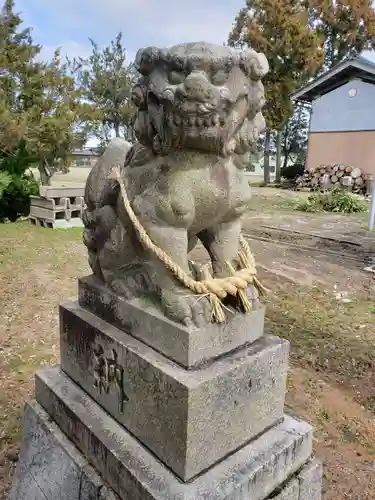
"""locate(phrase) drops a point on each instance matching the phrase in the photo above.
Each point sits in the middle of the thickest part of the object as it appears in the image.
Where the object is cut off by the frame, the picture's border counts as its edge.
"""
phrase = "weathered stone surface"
(50, 466)
(289, 492)
(310, 481)
(25, 488)
(187, 346)
(199, 114)
(134, 473)
(189, 419)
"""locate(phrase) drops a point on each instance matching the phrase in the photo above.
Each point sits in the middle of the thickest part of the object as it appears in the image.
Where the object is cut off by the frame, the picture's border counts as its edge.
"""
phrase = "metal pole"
(372, 207)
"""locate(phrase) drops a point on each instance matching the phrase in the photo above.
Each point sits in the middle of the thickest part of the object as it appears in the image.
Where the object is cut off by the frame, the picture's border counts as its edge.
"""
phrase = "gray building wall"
(338, 112)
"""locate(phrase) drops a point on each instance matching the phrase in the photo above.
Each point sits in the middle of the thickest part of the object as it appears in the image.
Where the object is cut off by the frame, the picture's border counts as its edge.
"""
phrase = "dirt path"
(344, 435)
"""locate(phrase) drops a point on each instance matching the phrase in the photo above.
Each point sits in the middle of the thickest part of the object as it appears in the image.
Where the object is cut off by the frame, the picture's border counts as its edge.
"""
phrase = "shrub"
(337, 200)
(15, 198)
(291, 172)
(16, 184)
(5, 180)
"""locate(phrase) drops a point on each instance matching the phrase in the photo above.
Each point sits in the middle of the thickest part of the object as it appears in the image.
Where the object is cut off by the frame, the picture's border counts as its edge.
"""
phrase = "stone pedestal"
(142, 408)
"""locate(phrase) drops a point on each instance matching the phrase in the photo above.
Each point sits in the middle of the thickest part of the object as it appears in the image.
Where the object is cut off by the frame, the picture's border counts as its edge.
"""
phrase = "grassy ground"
(331, 378)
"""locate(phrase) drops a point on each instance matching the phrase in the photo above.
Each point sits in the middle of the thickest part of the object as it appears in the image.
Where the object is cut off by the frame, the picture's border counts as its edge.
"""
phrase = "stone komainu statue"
(198, 118)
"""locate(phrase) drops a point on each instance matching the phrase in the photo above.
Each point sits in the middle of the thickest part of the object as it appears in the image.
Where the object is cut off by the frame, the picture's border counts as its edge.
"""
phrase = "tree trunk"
(45, 174)
(117, 129)
(266, 164)
(286, 158)
(285, 149)
(278, 157)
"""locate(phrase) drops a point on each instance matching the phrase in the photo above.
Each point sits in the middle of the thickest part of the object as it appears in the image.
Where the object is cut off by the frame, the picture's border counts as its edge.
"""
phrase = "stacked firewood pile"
(331, 176)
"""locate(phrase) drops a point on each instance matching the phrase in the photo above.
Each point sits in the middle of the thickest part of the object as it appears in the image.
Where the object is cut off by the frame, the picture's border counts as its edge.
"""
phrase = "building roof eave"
(348, 69)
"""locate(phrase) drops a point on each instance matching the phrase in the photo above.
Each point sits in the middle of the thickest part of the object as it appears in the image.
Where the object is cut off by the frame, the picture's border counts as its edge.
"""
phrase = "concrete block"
(57, 224)
(190, 419)
(58, 204)
(310, 481)
(46, 213)
(50, 466)
(76, 203)
(133, 472)
(66, 191)
(67, 224)
(189, 347)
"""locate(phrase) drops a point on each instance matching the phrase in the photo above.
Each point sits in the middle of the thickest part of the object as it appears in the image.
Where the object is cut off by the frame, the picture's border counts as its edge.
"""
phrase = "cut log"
(348, 169)
(359, 181)
(340, 173)
(342, 167)
(323, 171)
(314, 181)
(356, 172)
(335, 168)
(317, 175)
(334, 179)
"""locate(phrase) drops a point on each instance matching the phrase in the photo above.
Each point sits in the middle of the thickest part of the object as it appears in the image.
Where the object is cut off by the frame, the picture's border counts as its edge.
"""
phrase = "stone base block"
(51, 467)
(126, 466)
(190, 419)
(187, 346)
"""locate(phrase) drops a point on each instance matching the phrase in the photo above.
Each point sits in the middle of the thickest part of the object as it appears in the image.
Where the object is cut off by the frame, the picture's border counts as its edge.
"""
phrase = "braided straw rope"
(216, 289)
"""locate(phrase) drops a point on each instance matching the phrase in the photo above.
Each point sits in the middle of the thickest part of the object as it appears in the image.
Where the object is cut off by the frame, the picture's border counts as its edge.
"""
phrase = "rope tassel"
(216, 289)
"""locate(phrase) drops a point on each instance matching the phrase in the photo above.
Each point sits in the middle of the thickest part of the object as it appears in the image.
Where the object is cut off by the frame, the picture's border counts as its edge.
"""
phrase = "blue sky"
(69, 23)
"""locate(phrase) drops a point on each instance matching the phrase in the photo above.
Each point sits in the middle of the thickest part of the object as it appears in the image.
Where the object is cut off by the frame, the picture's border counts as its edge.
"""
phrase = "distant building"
(342, 124)
(85, 157)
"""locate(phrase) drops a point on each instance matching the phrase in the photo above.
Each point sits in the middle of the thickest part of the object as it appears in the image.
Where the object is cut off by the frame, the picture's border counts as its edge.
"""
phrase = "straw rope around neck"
(216, 289)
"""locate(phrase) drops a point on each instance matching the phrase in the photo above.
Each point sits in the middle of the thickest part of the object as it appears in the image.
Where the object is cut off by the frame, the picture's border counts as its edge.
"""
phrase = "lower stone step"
(50, 467)
(126, 466)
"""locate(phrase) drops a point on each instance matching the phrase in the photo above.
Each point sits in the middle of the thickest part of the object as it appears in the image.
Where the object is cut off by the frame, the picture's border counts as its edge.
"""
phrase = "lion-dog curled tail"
(101, 194)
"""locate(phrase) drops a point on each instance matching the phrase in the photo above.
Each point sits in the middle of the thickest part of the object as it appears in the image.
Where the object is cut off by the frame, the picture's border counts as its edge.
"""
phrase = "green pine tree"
(279, 29)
